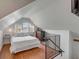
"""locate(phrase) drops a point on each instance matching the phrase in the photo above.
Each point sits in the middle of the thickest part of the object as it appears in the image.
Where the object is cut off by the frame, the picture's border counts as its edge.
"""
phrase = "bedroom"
(44, 14)
(24, 40)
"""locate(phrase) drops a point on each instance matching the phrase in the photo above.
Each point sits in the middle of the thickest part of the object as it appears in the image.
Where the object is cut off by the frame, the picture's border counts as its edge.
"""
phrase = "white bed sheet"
(23, 43)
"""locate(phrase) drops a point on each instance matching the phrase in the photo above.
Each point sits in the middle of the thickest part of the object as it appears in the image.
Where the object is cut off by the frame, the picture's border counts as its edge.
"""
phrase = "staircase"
(52, 42)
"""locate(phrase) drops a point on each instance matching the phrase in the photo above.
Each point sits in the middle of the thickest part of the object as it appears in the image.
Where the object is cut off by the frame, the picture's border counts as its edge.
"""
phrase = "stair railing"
(53, 42)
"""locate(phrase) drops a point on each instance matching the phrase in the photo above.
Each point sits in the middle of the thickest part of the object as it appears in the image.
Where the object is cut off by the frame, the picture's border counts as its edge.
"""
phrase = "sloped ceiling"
(8, 6)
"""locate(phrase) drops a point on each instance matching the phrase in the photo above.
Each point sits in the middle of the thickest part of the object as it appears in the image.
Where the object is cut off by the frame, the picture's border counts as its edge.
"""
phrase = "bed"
(19, 44)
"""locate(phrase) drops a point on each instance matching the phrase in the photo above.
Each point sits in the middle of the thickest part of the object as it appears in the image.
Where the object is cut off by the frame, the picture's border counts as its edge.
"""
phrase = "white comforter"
(23, 43)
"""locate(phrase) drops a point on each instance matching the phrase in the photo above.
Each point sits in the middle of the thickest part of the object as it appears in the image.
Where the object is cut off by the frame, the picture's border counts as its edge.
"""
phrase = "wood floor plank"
(36, 53)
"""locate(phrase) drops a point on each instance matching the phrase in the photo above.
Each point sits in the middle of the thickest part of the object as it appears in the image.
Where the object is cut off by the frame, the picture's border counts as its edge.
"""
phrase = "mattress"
(23, 43)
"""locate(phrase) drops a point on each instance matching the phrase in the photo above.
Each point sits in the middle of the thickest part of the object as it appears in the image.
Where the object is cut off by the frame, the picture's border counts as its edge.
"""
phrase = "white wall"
(75, 46)
(1, 40)
(9, 11)
(65, 43)
(8, 6)
(76, 50)
(52, 14)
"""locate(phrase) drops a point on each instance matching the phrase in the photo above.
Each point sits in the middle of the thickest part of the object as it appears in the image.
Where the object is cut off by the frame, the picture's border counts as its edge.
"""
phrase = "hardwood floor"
(36, 53)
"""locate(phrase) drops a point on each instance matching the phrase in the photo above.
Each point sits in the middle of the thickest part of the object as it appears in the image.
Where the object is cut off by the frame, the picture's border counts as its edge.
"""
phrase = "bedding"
(24, 34)
(23, 43)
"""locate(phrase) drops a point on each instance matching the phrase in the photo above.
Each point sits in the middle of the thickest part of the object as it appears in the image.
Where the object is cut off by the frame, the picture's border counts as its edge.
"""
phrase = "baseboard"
(1, 48)
(4, 45)
(7, 43)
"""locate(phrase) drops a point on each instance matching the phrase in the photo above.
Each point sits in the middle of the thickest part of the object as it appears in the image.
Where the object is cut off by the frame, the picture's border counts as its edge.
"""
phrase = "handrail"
(60, 50)
(76, 40)
(47, 37)
(56, 45)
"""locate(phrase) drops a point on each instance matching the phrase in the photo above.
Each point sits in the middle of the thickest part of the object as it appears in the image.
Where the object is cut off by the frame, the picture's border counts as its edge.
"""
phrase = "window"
(75, 7)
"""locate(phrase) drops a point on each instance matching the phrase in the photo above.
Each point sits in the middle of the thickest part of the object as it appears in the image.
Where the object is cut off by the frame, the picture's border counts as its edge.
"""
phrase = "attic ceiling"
(9, 6)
